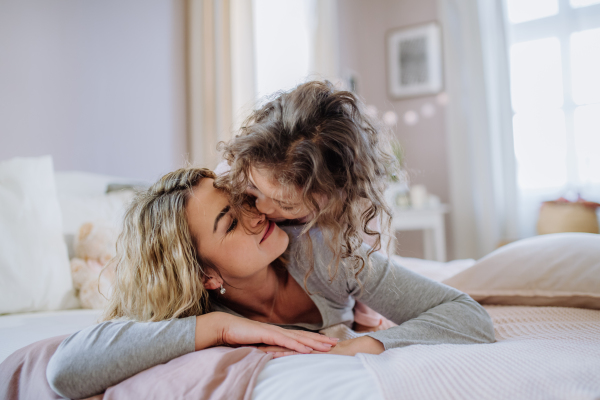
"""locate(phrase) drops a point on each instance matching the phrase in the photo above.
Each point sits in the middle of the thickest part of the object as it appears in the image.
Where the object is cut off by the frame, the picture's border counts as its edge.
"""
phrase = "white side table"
(430, 221)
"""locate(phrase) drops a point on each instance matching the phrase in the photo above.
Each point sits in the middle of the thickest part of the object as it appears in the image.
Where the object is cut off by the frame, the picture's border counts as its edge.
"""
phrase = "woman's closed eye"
(232, 225)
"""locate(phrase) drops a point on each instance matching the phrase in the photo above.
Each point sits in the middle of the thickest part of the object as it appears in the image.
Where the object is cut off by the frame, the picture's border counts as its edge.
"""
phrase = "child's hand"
(384, 324)
(363, 344)
(368, 320)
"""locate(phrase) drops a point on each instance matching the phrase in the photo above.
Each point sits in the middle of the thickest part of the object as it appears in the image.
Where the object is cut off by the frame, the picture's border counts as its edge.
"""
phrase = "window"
(555, 93)
(282, 43)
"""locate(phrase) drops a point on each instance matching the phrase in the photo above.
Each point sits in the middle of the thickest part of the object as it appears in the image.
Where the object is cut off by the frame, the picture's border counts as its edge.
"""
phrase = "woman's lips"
(268, 231)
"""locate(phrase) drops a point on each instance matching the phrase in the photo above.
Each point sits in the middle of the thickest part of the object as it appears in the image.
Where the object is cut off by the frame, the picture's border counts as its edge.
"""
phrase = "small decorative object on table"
(397, 193)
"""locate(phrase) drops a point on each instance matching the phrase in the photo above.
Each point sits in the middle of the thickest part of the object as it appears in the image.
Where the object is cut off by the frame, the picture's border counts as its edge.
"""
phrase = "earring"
(222, 290)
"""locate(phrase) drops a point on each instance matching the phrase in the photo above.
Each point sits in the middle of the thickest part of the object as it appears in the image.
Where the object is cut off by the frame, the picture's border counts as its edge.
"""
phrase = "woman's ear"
(211, 282)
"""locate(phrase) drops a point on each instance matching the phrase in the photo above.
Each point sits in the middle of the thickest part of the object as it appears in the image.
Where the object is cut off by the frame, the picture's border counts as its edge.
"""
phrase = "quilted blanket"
(540, 353)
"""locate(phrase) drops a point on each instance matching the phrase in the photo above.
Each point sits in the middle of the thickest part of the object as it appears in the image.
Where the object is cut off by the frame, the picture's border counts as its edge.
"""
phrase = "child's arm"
(427, 312)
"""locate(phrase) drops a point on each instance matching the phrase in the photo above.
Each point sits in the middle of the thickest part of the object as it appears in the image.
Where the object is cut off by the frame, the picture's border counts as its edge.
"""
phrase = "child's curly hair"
(322, 141)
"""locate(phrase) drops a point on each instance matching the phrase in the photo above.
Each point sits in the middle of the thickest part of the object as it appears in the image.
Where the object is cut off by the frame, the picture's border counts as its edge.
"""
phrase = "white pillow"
(82, 198)
(34, 267)
(435, 270)
(560, 269)
(78, 210)
(78, 183)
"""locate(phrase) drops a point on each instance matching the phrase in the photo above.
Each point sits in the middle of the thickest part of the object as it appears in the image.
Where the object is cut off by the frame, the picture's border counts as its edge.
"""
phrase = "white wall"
(98, 84)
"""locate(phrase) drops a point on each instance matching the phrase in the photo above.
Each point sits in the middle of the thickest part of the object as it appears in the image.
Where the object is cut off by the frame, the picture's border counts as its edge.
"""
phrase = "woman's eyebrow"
(224, 211)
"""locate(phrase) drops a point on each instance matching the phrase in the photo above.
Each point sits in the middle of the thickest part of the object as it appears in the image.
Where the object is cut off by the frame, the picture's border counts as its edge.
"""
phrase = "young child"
(313, 156)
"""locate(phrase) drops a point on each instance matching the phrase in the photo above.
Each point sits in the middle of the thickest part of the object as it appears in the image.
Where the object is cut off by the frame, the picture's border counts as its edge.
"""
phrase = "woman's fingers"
(235, 331)
(318, 337)
(314, 344)
(311, 340)
(282, 340)
(315, 341)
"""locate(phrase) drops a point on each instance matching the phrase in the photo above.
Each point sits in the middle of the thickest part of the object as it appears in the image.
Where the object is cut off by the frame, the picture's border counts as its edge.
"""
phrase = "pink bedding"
(23, 373)
(215, 373)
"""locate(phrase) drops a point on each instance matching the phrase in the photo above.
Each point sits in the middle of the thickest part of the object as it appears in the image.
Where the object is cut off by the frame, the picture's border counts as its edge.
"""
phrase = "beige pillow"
(561, 269)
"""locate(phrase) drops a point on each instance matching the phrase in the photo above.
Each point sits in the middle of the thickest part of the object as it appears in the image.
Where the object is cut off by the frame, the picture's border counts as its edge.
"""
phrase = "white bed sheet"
(316, 376)
(20, 330)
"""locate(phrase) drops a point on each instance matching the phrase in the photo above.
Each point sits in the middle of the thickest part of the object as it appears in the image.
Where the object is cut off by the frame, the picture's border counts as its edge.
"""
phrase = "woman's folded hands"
(222, 329)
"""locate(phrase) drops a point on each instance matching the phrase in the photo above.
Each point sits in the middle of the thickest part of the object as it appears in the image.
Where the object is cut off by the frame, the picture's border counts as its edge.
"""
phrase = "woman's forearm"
(95, 358)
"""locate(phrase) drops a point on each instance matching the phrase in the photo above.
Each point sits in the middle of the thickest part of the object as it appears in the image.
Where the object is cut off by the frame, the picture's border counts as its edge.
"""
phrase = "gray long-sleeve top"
(427, 312)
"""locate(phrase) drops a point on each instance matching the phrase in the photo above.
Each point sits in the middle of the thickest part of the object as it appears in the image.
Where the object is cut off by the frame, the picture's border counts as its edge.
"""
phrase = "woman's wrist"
(207, 331)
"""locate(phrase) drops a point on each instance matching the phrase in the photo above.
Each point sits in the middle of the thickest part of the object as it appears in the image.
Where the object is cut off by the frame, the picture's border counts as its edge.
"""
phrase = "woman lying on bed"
(182, 242)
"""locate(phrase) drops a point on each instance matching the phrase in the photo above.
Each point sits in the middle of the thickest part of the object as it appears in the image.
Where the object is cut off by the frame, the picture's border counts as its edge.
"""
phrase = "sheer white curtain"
(295, 40)
(240, 50)
(479, 126)
(324, 47)
(220, 73)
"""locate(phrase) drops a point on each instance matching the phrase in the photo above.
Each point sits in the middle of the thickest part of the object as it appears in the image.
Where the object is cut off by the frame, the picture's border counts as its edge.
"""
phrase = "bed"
(542, 352)
(543, 295)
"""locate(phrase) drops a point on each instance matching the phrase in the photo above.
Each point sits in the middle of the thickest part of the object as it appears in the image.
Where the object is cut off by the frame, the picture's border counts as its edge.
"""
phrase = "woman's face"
(276, 202)
(222, 240)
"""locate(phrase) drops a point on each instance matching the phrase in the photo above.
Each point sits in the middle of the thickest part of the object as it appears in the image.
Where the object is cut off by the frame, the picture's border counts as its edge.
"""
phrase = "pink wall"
(363, 26)
(98, 84)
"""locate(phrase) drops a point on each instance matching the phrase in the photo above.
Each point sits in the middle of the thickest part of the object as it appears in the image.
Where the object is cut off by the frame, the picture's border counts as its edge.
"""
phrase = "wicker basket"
(559, 216)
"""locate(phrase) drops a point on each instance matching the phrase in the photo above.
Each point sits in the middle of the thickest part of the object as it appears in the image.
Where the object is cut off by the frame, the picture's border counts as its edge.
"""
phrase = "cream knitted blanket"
(540, 353)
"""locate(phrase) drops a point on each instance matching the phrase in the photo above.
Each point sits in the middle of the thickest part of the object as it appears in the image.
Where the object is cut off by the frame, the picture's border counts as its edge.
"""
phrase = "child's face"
(277, 202)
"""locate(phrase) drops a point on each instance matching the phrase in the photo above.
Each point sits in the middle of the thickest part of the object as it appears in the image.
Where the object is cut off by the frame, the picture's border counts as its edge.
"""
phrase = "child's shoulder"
(295, 232)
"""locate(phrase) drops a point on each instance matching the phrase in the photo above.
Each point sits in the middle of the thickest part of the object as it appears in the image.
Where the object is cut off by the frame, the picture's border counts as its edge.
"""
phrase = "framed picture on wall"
(414, 61)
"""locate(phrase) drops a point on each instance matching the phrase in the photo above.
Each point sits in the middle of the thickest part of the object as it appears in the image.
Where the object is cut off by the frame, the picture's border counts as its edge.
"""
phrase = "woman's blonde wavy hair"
(323, 141)
(158, 272)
